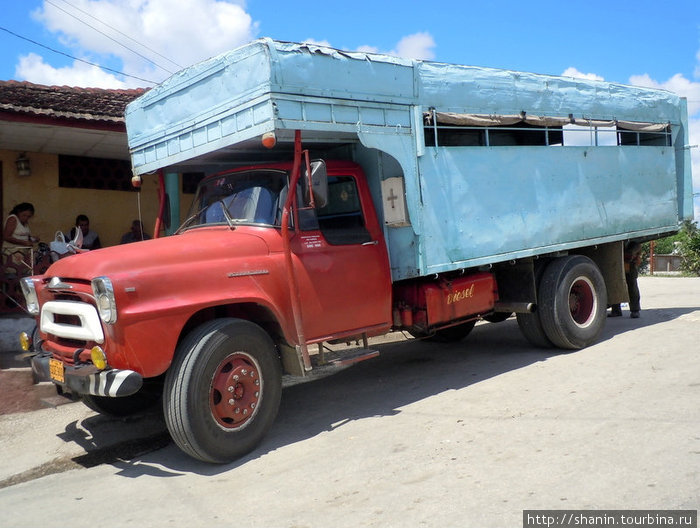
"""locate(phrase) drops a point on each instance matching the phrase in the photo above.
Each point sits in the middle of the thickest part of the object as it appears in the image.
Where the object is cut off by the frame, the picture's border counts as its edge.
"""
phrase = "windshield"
(249, 197)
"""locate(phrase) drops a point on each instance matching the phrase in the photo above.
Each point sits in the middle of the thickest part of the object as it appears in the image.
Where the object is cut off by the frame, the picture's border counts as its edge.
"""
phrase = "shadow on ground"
(405, 372)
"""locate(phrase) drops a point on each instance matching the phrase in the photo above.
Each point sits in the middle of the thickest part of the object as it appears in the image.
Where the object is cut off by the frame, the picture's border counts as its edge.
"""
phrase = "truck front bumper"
(86, 379)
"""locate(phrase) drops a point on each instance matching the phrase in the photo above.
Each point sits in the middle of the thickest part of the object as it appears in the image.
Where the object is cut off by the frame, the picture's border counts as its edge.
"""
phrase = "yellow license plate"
(56, 370)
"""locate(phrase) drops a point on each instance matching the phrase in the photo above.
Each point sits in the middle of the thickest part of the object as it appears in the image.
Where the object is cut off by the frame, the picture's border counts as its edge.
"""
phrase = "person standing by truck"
(632, 259)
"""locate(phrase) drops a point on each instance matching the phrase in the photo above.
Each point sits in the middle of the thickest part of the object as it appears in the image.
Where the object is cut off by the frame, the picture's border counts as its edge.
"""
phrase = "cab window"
(341, 220)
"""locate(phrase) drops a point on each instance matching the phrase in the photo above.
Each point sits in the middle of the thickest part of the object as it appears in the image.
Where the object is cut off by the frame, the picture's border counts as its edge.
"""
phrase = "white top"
(21, 232)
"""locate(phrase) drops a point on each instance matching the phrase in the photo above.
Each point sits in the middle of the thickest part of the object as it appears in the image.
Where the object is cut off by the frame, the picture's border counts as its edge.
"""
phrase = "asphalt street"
(460, 435)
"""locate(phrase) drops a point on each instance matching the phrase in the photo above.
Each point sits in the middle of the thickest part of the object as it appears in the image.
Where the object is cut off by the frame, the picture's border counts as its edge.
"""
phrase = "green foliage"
(665, 246)
(686, 243)
(690, 248)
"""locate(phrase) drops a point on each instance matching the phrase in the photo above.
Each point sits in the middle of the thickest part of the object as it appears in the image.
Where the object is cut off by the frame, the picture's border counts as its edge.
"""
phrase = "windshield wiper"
(229, 219)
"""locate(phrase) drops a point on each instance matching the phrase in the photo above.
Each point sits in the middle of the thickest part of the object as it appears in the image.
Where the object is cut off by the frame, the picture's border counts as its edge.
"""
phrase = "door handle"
(371, 243)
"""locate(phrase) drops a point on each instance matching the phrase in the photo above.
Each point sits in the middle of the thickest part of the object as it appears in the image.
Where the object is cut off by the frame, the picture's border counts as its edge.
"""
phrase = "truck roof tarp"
(269, 85)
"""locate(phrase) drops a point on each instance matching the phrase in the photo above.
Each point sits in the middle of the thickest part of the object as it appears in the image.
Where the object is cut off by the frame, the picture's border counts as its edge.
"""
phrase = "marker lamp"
(25, 341)
(98, 358)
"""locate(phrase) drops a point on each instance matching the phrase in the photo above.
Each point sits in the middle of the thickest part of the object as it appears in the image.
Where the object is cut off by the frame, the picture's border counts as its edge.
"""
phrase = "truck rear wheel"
(223, 390)
(572, 302)
(530, 323)
(531, 327)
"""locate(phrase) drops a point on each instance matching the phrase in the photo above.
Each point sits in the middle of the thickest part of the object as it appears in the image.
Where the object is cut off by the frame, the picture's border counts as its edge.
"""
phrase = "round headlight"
(30, 297)
(104, 297)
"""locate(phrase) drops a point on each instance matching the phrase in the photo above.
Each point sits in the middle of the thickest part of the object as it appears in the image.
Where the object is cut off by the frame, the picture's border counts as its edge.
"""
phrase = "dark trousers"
(633, 289)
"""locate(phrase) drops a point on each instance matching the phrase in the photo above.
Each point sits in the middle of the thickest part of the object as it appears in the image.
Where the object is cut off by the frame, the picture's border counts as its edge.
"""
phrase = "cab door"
(342, 264)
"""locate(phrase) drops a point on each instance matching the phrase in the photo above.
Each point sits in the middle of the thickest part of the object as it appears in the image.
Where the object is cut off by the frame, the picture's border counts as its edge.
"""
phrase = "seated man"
(136, 233)
(91, 240)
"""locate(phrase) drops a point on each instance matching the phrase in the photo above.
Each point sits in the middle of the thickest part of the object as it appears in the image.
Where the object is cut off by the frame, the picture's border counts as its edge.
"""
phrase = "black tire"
(144, 400)
(453, 334)
(497, 317)
(223, 390)
(530, 323)
(572, 302)
(531, 327)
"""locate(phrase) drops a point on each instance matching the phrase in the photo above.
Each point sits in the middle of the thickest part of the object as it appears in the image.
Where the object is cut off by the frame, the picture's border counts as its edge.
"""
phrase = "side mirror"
(317, 183)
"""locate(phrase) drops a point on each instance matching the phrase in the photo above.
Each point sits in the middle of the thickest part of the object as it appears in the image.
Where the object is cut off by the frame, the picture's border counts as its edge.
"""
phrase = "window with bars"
(79, 172)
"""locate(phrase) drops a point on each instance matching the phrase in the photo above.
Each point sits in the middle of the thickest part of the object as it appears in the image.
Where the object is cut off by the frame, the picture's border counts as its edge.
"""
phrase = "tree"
(686, 243)
(690, 247)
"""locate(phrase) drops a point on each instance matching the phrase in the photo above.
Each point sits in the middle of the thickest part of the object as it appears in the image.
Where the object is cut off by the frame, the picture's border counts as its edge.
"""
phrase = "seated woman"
(17, 240)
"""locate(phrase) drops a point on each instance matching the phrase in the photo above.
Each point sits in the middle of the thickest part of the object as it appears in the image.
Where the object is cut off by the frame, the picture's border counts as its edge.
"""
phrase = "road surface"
(461, 435)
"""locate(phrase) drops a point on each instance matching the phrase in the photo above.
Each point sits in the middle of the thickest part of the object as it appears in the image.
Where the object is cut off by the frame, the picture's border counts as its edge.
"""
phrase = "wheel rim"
(236, 391)
(583, 302)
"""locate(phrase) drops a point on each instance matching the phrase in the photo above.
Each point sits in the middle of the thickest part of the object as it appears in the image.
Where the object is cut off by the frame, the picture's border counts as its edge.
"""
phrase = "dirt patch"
(21, 394)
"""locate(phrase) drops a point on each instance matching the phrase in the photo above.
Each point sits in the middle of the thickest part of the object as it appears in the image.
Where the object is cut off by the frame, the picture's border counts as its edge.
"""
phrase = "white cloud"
(677, 84)
(34, 68)
(573, 72)
(175, 34)
(368, 49)
(416, 46)
(318, 42)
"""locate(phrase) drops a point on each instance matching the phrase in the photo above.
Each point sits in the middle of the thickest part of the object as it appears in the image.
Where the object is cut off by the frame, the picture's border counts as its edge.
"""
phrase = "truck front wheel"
(143, 400)
(223, 390)
(572, 302)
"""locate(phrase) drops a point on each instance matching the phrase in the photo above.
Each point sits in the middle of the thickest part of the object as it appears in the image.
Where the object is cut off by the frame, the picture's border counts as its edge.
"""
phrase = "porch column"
(172, 188)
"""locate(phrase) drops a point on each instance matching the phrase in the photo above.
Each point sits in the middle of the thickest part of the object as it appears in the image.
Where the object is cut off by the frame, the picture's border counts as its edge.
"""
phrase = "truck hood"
(210, 244)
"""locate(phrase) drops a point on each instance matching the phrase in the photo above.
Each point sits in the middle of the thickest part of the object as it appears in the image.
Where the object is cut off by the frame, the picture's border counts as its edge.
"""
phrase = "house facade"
(64, 150)
(74, 143)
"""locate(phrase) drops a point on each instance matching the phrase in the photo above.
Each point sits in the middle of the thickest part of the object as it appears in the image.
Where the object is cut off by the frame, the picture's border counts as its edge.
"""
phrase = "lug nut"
(231, 401)
(230, 389)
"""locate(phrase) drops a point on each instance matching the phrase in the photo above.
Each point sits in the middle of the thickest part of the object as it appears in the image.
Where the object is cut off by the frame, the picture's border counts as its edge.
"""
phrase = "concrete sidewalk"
(52, 440)
(43, 433)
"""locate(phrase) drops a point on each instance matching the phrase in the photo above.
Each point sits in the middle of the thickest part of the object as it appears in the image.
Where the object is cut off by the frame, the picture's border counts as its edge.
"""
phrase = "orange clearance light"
(269, 140)
(136, 181)
(25, 341)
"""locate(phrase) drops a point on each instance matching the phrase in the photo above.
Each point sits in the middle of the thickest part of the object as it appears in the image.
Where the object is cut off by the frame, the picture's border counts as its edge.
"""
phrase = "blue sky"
(643, 42)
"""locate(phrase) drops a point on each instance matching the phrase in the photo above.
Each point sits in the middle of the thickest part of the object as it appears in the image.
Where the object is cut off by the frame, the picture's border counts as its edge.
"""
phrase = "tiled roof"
(92, 104)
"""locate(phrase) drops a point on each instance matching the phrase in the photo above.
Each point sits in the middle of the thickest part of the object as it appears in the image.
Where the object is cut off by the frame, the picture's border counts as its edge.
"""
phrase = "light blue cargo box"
(465, 205)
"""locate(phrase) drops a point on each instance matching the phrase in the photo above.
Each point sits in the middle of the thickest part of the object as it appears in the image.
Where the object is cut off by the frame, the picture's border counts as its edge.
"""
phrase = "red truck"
(394, 217)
